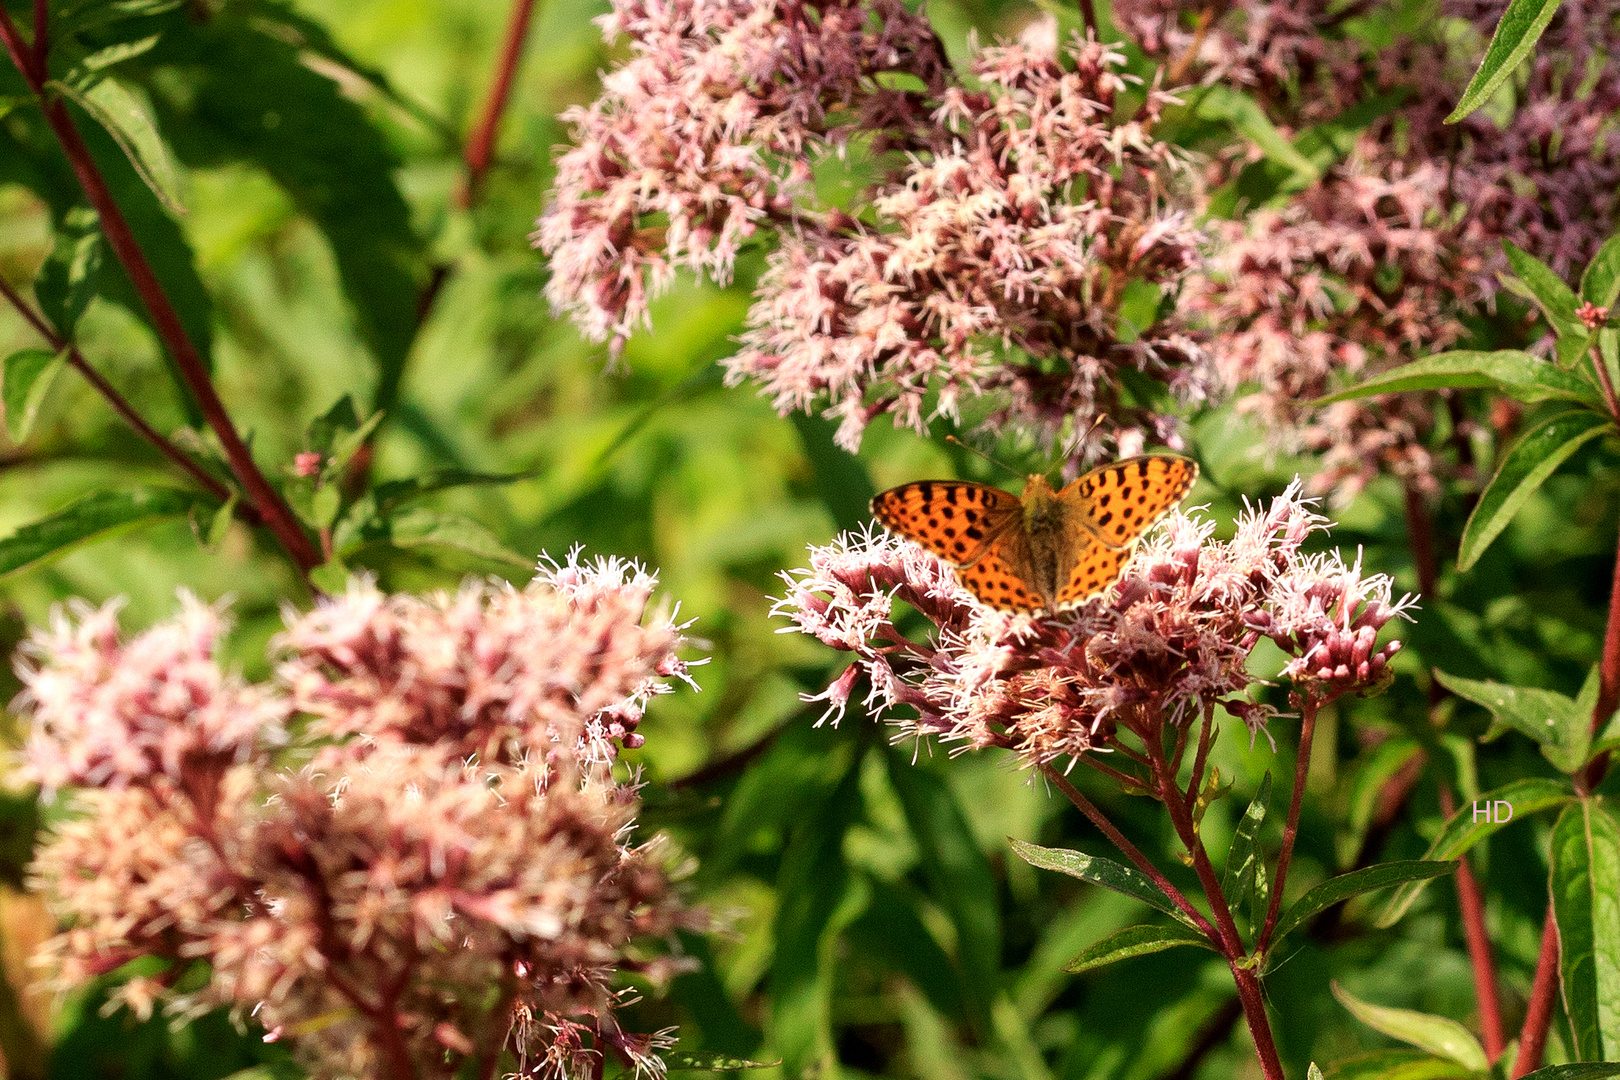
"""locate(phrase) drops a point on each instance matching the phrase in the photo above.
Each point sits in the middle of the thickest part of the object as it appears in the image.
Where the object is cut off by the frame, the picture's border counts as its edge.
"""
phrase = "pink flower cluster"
(1169, 643)
(995, 256)
(433, 863)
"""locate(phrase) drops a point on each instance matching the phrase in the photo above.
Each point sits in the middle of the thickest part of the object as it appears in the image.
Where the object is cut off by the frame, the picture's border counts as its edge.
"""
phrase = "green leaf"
(99, 515)
(1516, 374)
(393, 493)
(1600, 284)
(1100, 871)
(236, 93)
(1586, 903)
(1249, 119)
(72, 271)
(1531, 459)
(418, 528)
(324, 430)
(331, 577)
(1558, 724)
(708, 1062)
(125, 115)
(1398, 1065)
(841, 478)
(1464, 829)
(1584, 1071)
(1135, 941)
(957, 870)
(1555, 298)
(1516, 34)
(1243, 856)
(220, 523)
(1438, 1035)
(324, 505)
(1336, 890)
(24, 382)
(1314, 1074)
(891, 931)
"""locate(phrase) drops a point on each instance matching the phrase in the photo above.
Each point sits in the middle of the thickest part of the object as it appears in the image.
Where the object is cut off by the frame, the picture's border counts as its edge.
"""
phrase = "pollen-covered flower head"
(443, 851)
(1172, 640)
(565, 665)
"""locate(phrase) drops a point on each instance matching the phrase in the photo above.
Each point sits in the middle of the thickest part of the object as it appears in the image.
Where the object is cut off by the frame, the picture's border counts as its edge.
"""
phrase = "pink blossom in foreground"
(437, 862)
(1171, 641)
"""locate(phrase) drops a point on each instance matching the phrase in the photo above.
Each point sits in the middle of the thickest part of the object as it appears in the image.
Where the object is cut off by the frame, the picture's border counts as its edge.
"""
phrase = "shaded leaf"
(1516, 34)
(24, 382)
(1464, 829)
(72, 272)
(1099, 871)
(99, 515)
(1243, 856)
(127, 117)
(1135, 941)
(1560, 726)
(1336, 890)
(841, 477)
(416, 528)
(1516, 374)
(1600, 284)
(1532, 458)
(1438, 1035)
(1586, 903)
(392, 493)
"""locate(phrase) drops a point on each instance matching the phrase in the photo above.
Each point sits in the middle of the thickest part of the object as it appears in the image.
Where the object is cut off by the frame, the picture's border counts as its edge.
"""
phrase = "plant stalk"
(480, 150)
(1296, 800)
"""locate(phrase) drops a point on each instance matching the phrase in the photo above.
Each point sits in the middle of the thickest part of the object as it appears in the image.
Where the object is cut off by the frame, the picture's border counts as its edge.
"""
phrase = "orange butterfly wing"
(1119, 502)
(955, 519)
(1000, 578)
(1096, 568)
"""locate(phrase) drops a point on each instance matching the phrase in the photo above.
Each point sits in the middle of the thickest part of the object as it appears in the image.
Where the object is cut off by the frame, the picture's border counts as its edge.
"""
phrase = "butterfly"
(1045, 550)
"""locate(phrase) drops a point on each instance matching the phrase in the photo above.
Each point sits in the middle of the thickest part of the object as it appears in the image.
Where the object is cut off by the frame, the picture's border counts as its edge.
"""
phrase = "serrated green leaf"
(1249, 119)
(1135, 941)
(72, 272)
(24, 382)
(1336, 890)
(1398, 1065)
(676, 1060)
(1527, 464)
(340, 419)
(1556, 723)
(1600, 283)
(1100, 871)
(1464, 829)
(1586, 903)
(1439, 1035)
(94, 516)
(1243, 856)
(124, 113)
(1516, 34)
(1516, 374)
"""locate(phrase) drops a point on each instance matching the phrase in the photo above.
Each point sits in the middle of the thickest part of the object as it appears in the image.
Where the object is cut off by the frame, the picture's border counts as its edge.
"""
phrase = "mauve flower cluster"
(994, 256)
(1170, 642)
(1380, 261)
(436, 854)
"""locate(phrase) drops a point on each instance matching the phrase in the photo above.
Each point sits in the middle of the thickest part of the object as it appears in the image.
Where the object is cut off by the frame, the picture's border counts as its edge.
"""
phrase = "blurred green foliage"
(877, 922)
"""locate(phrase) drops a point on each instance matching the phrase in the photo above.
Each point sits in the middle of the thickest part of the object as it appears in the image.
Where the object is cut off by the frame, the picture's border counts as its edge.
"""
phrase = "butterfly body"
(1046, 550)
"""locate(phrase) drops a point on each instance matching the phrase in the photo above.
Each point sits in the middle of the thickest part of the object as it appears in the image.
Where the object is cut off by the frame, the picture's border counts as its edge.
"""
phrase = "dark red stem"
(1302, 766)
(260, 494)
(481, 146)
(122, 407)
(1543, 994)
(1471, 903)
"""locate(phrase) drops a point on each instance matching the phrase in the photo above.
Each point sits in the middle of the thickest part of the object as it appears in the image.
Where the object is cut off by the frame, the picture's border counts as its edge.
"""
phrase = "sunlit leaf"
(1438, 1035)
(1554, 721)
(24, 382)
(1516, 374)
(93, 517)
(1100, 871)
(1136, 941)
(1516, 34)
(72, 272)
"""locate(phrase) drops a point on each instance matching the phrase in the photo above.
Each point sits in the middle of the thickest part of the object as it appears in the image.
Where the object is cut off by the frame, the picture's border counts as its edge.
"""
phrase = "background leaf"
(1436, 1034)
(1516, 34)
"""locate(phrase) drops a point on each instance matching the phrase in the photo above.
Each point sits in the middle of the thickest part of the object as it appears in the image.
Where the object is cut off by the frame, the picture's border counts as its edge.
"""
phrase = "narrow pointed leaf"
(1561, 727)
(1248, 119)
(1516, 374)
(1398, 1065)
(1336, 890)
(1600, 284)
(1516, 34)
(1438, 1035)
(1243, 856)
(1551, 293)
(1465, 829)
(125, 115)
(1533, 458)
(1099, 871)
(1135, 941)
(1586, 903)
(98, 515)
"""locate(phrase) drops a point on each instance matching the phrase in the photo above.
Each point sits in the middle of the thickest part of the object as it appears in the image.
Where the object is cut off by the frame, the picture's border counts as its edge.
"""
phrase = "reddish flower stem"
(1302, 766)
(1470, 900)
(260, 493)
(1543, 993)
(481, 147)
(1130, 851)
(1231, 942)
(122, 407)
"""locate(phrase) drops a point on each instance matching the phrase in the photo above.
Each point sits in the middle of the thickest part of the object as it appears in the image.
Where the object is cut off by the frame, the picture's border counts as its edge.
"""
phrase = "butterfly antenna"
(981, 453)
